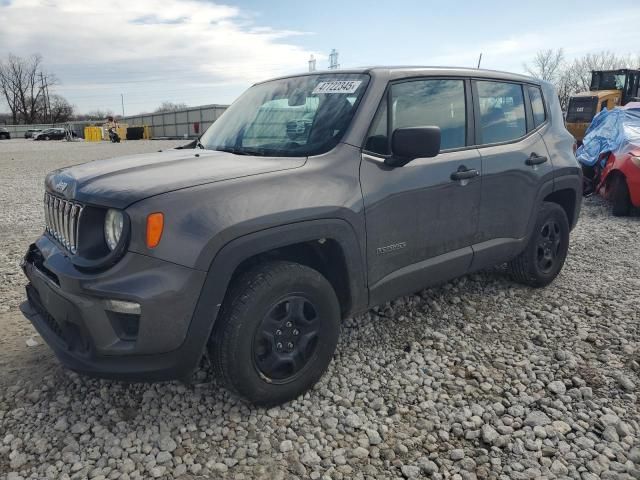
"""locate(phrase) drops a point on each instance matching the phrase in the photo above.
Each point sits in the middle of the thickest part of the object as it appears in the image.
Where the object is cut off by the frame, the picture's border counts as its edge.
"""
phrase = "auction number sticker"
(337, 86)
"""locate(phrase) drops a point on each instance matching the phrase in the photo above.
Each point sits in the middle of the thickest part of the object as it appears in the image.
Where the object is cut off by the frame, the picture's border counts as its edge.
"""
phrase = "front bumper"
(72, 312)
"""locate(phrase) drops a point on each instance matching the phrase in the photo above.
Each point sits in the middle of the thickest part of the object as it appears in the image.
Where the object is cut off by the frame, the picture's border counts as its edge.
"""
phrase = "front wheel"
(542, 259)
(276, 332)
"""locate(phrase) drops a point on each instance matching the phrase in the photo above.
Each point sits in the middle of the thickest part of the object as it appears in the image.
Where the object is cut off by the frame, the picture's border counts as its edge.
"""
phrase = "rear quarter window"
(537, 106)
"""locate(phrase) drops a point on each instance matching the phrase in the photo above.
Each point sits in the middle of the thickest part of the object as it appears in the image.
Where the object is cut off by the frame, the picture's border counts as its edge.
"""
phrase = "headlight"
(113, 224)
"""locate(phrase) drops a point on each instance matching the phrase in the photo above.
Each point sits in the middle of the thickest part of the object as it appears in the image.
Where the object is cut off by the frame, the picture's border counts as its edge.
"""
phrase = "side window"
(502, 117)
(432, 102)
(377, 141)
(537, 106)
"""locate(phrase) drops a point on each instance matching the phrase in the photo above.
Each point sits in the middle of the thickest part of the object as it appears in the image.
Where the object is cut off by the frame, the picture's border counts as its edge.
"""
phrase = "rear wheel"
(541, 261)
(276, 333)
(619, 196)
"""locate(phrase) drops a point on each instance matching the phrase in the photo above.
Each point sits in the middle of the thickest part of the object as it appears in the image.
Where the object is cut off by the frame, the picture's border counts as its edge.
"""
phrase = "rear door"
(510, 121)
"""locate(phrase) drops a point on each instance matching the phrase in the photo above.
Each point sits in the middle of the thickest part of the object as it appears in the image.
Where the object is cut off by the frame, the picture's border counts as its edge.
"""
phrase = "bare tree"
(604, 60)
(547, 65)
(170, 107)
(59, 110)
(97, 114)
(572, 77)
(22, 83)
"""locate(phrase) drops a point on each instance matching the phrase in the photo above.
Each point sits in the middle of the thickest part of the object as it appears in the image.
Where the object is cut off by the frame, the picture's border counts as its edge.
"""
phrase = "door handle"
(464, 173)
(535, 159)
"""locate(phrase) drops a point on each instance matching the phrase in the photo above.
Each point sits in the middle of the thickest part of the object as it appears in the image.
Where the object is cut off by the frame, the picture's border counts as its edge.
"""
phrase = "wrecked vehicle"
(610, 158)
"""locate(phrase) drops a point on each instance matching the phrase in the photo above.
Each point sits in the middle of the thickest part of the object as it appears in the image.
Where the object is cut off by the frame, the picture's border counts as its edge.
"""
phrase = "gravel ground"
(479, 378)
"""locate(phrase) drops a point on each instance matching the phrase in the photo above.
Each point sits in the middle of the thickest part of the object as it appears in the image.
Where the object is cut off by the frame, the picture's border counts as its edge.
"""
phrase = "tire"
(268, 317)
(619, 196)
(542, 259)
(47, 137)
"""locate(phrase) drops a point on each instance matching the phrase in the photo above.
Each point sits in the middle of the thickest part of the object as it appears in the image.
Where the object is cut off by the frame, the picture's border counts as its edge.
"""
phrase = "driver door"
(421, 218)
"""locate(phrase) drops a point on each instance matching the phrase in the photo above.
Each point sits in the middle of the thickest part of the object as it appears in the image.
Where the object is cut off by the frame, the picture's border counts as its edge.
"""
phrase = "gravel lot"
(479, 378)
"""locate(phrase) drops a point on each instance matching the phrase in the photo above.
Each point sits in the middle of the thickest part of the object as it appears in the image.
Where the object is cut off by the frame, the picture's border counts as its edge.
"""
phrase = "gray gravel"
(478, 378)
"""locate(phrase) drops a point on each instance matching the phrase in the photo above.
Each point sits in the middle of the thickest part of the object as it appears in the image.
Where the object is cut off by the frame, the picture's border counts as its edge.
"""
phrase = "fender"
(545, 189)
(571, 182)
(235, 252)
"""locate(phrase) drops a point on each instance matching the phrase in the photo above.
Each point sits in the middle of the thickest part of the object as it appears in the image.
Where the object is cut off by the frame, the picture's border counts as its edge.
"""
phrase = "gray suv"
(313, 198)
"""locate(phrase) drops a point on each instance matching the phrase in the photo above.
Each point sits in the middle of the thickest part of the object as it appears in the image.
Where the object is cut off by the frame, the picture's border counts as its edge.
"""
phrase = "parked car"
(4, 134)
(253, 246)
(30, 133)
(619, 181)
(610, 157)
(51, 134)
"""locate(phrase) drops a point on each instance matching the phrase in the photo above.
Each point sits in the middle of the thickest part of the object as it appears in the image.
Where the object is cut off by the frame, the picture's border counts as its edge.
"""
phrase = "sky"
(202, 52)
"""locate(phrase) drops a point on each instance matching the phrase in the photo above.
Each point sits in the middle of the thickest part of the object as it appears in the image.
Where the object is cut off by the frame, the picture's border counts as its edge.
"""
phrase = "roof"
(394, 72)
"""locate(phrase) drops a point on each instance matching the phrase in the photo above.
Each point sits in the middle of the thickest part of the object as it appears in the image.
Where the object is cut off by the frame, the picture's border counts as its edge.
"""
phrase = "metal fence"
(18, 131)
(187, 123)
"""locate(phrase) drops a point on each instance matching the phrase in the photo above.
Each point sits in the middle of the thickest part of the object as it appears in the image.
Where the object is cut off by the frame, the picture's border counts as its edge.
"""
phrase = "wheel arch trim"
(229, 257)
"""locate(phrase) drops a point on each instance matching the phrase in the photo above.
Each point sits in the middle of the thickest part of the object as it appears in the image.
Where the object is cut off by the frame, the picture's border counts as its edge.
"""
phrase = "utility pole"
(479, 59)
(122, 100)
(46, 89)
(312, 64)
(45, 96)
(333, 60)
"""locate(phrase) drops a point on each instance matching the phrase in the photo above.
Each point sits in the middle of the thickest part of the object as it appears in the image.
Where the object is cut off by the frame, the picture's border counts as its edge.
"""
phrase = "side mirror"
(409, 143)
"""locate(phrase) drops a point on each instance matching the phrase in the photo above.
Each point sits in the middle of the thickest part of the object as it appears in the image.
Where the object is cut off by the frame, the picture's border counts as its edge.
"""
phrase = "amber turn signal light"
(155, 224)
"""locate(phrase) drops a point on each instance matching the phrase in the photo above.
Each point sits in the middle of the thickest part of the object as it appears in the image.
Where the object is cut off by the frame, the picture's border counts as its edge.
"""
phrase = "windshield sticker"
(337, 86)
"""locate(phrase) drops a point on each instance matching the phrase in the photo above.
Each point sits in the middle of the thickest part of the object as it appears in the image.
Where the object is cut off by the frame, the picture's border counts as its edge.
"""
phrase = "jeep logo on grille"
(60, 186)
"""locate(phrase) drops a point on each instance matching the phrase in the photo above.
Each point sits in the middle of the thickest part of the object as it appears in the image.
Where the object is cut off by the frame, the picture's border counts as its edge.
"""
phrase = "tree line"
(573, 76)
(24, 86)
(27, 90)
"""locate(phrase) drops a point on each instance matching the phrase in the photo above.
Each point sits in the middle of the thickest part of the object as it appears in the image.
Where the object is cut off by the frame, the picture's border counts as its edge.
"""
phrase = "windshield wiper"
(235, 151)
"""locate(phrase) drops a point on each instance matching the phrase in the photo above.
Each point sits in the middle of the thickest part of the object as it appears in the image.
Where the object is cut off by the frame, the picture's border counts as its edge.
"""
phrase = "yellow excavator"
(609, 89)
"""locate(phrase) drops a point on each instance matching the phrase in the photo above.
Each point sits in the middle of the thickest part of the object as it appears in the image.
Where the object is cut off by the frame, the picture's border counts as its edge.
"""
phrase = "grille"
(62, 219)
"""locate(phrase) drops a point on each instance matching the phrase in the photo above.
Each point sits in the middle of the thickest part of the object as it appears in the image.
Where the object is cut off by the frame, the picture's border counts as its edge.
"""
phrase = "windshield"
(608, 81)
(296, 116)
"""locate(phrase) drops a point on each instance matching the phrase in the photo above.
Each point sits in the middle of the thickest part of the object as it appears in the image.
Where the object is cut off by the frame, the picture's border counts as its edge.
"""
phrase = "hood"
(119, 182)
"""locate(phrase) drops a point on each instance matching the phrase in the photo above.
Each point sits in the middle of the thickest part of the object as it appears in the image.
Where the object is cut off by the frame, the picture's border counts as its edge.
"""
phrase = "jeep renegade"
(313, 198)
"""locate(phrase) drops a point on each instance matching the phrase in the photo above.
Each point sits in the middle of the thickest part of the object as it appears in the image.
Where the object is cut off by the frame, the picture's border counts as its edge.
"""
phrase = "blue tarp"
(616, 131)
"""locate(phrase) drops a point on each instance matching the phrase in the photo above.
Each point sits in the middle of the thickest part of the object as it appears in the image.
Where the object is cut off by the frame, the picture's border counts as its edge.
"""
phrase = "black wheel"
(542, 259)
(618, 193)
(276, 333)
(4, 136)
(47, 137)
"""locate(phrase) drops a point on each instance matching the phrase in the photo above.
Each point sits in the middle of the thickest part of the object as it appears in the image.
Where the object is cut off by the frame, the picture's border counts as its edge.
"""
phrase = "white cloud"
(577, 36)
(177, 39)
